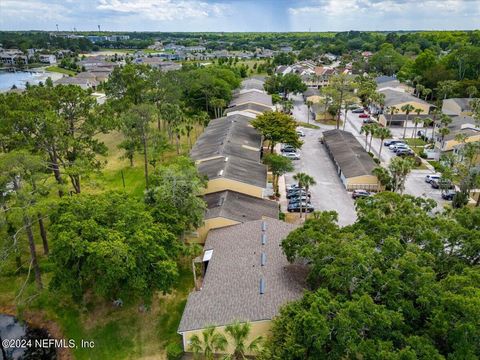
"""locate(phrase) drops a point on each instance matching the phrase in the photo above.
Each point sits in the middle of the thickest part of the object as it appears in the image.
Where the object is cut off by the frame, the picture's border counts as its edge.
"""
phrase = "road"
(328, 193)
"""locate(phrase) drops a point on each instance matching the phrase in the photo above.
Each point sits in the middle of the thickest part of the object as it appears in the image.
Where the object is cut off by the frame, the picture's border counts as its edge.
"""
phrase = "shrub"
(423, 155)
(417, 161)
(174, 351)
(377, 161)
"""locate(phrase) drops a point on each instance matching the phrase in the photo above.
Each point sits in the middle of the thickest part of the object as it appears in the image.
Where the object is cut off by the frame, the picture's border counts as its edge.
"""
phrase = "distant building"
(47, 59)
(457, 106)
(13, 57)
(84, 83)
(195, 49)
(286, 49)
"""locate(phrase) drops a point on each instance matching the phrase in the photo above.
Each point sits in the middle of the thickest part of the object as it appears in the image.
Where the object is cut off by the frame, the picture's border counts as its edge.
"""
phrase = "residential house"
(461, 125)
(246, 277)
(47, 59)
(13, 57)
(84, 82)
(252, 97)
(248, 109)
(226, 208)
(354, 165)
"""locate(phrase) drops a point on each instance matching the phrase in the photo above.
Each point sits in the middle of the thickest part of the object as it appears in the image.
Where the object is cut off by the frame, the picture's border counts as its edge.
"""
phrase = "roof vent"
(220, 173)
(263, 259)
(264, 239)
(262, 286)
(264, 226)
(226, 159)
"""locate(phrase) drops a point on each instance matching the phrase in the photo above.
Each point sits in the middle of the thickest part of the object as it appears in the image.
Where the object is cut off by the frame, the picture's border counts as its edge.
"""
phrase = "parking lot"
(416, 186)
(329, 193)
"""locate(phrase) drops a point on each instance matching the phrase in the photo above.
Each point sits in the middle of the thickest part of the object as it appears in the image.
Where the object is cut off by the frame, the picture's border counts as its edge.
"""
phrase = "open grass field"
(60, 70)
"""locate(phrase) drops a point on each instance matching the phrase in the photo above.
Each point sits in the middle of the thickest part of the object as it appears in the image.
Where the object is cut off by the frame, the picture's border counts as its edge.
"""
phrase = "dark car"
(448, 195)
(393, 142)
(304, 200)
(292, 197)
(442, 184)
(360, 193)
(296, 208)
(293, 193)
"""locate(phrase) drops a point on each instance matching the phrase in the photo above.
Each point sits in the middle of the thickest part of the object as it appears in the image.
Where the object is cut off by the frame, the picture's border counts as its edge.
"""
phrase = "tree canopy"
(398, 284)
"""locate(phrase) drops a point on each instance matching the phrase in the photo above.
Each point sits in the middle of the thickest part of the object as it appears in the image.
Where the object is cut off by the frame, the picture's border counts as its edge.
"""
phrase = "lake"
(20, 78)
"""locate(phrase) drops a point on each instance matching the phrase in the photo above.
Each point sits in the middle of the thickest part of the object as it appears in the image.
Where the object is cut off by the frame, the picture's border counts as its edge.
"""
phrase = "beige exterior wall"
(450, 144)
(222, 184)
(258, 328)
(315, 98)
(215, 223)
(416, 105)
(367, 182)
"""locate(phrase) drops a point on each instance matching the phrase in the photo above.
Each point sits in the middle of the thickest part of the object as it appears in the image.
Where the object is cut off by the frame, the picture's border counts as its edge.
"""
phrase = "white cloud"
(31, 9)
(163, 9)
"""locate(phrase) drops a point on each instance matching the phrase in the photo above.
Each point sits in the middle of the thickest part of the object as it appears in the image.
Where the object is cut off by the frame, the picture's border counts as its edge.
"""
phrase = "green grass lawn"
(415, 142)
(61, 70)
(307, 125)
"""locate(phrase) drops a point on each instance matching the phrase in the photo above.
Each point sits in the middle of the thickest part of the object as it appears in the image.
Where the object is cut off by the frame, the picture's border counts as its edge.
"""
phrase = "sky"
(239, 15)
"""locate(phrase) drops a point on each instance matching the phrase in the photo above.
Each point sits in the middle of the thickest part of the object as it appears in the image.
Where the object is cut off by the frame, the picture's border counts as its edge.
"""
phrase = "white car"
(398, 146)
(300, 133)
(429, 178)
(291, 156)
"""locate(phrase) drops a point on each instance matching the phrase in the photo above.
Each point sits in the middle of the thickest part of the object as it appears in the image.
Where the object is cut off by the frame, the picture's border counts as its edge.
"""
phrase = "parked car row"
(400, 148)
(289, 152)
(437, 182)
(298, 198)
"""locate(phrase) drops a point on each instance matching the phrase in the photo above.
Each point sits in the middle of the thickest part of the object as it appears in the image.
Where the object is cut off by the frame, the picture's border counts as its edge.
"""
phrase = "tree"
(382, 134)
(309, 106)
(407, 109)
(218, 106)
(20, 173)
(393, 110)
(399, 169)
(136, 127)
(110, 245)
(416, 122)
(173, 197)
(277, 127)
(368, 279)
(446, 88)
(342, 85)
(211, 343)
(292, 83)
(471, 91)
(304, 182)
(278, 165)
(239, 333)
(367, 130)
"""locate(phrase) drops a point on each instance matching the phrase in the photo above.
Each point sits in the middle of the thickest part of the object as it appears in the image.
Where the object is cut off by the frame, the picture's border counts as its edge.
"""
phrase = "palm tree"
(366, 129)
(426, 92)
(426, 123)
(309, 106)
(416, 121)
(382, 133)
(407, 109)
(211, 343)
(373, 131)
(304, 182)
(393, 110)
(444, 131)
(472, 91)
(239, 334)
(399, 168)
(435, 113)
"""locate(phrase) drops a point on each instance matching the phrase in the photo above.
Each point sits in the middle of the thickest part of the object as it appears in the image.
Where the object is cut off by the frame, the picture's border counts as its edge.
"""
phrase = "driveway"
(329, 193)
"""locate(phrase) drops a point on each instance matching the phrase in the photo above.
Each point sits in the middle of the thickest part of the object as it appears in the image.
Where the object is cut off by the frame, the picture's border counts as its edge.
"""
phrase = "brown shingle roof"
(231, 284)
(239, 207)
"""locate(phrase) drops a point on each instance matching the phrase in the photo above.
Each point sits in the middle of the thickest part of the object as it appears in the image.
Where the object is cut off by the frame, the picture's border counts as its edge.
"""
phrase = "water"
(20, 78)
(12, 329)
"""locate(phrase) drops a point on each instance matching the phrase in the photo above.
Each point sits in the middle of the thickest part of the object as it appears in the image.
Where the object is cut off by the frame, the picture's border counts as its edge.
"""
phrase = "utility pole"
(56, 26)
(98, 28)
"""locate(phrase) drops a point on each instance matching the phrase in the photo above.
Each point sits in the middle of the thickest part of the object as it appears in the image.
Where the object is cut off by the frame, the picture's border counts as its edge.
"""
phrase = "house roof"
(252, 97)
(393, 97)
(348, 153)
(239, 207)
(252, 83)
(231, 286)
(232, 135)
(384, 79)
(311, 92)
(249, 106)
(462, 124)
(234, 168)
(462, 103)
